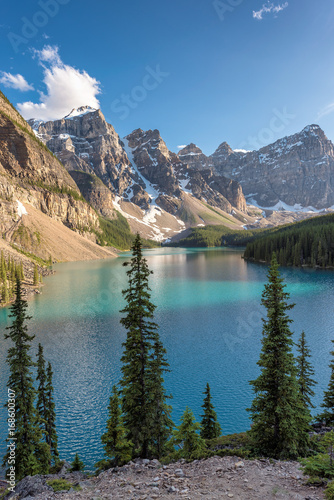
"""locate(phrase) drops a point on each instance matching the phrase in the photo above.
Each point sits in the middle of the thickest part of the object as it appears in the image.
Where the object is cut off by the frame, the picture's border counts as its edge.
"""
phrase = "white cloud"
(67, 88)
(269, 8)
(183, 146)
(17, 82)
(327, 110)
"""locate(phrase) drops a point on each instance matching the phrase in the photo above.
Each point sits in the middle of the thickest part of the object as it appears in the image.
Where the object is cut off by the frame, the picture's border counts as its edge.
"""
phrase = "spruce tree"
(36, 275)
(77, 465)
(187, 438)
(41, 379)
(161, 423)
(280, 419)
(42, 407)
(27, 433)
(50, 416)
(143, 362)
(3, 268)
(118, 449)
(210, 427)
(5, 293)
(328, 403)
(305, 372)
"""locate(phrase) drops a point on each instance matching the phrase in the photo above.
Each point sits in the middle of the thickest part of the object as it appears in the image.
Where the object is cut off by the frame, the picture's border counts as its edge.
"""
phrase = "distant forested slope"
(308, 243)
(217, 236)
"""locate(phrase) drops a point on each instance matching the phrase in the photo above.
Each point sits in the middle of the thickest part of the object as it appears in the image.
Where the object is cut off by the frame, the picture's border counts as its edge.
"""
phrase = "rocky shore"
(214, 478)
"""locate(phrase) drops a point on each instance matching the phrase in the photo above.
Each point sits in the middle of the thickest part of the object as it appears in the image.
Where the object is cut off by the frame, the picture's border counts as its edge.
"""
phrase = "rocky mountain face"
(296, 171)
(83, 140)
(30, 174)
(138, 170)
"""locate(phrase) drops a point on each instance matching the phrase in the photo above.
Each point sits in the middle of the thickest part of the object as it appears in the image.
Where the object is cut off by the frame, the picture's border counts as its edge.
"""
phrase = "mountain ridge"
(141, 176)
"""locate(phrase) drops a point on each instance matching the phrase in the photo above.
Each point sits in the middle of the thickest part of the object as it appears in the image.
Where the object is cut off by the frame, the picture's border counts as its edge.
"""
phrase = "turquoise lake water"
(209, 313)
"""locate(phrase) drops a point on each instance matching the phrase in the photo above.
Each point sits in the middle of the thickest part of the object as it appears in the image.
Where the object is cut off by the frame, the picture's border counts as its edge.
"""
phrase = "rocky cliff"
(138, 175)
(31, 175)
(296, 171)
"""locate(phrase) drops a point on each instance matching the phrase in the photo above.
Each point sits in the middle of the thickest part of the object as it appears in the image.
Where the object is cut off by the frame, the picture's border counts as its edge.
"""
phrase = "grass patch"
(221, 216)
(62, 485)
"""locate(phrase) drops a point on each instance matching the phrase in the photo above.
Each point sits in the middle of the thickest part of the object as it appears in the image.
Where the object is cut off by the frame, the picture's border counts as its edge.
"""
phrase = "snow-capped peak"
(83, 110)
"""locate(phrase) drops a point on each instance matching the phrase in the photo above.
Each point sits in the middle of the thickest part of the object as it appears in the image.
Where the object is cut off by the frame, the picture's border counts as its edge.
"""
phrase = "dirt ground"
(214, 478)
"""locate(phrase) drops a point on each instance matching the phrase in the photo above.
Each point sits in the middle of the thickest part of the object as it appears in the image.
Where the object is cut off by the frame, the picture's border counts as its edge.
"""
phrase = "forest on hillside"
(308, 243)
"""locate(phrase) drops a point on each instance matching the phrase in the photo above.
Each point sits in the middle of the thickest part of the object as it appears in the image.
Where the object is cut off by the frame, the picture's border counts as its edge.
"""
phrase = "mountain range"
(161, 192)
(77, 172)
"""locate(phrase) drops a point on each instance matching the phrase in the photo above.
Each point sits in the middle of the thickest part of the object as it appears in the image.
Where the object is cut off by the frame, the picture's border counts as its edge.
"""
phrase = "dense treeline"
(307, 243)
(32, 438)
(9, 272)
(217, 236)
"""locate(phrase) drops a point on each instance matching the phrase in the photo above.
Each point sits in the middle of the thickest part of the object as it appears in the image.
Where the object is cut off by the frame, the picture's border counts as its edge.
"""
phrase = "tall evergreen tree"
(36, 275)
(27, 433)
(5, 293)
(50, 416)
(161, 423)
(187, 438)
(43, 409)
(328, 403)
(143, 360)
(305, 372)
(280, 419)
(210, 427)
(41, 395)
(118, 449)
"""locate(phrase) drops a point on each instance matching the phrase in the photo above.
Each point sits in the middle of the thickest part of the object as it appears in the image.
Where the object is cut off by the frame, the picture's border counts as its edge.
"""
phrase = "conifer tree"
(22, 271)
(50, 416)
(41, 378)
(187, 438)
(328, 403)
(3, 268)
(41, 407)
(36, 275)
(210, 427)
(5, 293)
(305, 372)
(77, 465)
(280, 419)
(143, 355)
(27, 432)
(161, 425)
(118, 449)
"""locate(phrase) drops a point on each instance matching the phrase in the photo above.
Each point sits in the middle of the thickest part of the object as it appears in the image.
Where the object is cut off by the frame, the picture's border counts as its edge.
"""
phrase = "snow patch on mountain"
(21, 209)
(83, 110)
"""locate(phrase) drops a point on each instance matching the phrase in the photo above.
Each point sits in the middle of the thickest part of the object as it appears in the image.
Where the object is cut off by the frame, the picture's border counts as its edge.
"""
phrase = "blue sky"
(202, 71)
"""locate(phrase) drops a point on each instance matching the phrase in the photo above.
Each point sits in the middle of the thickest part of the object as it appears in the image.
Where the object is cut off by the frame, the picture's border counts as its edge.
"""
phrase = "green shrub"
(329, 491)
(59, 484)
(318, 466)
(56, 468)
(315, 481)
